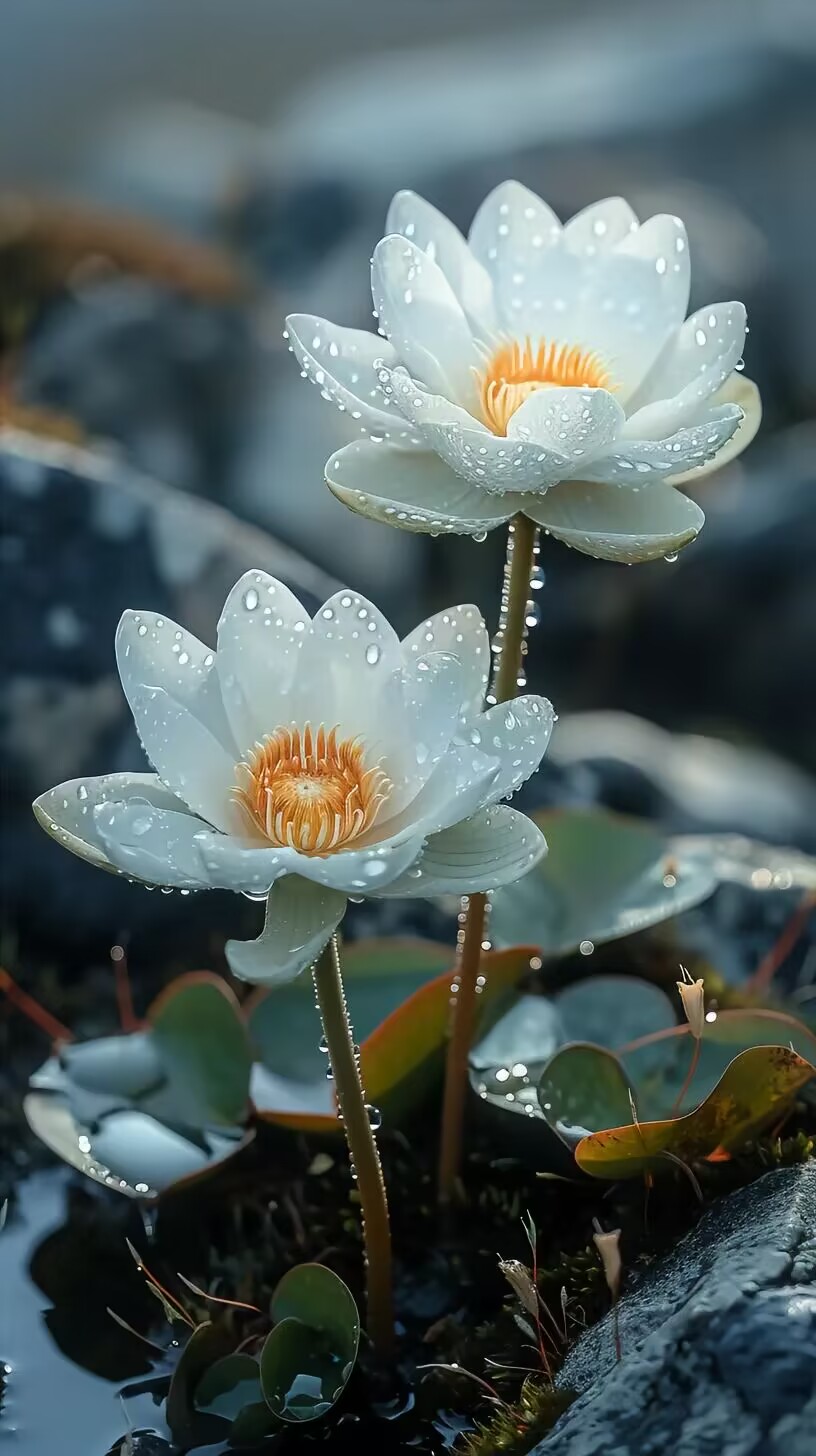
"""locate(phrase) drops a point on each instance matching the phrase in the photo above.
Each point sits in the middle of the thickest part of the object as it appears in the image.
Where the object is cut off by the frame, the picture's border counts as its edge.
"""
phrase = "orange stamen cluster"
(305, 790)
(517, 370)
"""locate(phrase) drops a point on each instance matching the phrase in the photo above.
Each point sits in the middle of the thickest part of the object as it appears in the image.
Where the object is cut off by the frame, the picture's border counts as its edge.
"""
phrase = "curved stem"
(510, 640)
(331, 1000)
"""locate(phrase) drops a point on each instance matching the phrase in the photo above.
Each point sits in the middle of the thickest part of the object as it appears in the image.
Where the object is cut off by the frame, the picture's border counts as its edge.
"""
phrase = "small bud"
(692, 997)
(608, 1246)
(520, 1280)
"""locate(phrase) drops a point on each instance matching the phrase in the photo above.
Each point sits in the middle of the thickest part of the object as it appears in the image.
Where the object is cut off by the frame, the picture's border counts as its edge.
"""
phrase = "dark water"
(52, 1405)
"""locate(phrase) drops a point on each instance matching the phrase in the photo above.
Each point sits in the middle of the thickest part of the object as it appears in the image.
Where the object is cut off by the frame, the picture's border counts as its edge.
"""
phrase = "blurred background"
(177, 175)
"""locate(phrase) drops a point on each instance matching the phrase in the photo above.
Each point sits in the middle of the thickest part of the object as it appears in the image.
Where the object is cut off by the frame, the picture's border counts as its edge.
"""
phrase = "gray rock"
(82, 538)
(718, 1340)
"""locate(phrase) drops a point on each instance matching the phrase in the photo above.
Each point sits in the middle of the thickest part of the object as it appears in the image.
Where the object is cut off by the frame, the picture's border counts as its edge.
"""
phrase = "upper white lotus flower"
(536, 368)
(314, 759)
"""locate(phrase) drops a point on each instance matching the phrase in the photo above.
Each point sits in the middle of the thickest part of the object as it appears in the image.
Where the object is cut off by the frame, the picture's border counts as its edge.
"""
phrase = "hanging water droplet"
(323, 1046)
(672, 557)
(586, 947)
(374, 1116)
(480, 536)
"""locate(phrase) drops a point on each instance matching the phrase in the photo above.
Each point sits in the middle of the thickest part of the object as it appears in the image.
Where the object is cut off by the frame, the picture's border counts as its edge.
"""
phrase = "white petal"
(700, 358)
(300, 919)
(618, 525)
(515, 236)
(490, 461)
(156, 845)
(517, 732)
(434, 687)
(494, 847)
(344, 364)
(459, 786)
(347, 671)
(361, 871)
(744, 393)
(429, 229)
(260, 633)
(67, 811)
(424, 320)
(631, 299)
(154, 650)
(185, 752)
(246, 866)
(460, 631)
(600, 226)
(577, 424)
(414, 492)
(643, 461)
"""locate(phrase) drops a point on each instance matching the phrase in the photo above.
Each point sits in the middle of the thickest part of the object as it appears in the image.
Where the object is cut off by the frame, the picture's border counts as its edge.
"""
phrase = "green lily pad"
(754, 1089)
(399, 1002)
(583, 1089)
(604, 876)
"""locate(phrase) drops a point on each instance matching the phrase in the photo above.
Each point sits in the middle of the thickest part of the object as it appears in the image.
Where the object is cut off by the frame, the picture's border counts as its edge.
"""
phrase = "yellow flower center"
(309, 792)
(516, 371)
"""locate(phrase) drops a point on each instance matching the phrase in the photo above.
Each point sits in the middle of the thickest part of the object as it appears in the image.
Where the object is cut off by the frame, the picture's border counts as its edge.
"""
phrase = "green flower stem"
(518, 571)
(331, 1000)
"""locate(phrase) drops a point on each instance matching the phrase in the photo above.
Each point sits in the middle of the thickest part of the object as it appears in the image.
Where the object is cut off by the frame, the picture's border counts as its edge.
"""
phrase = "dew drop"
(373, 654)
(374, 1116)
(251, 599)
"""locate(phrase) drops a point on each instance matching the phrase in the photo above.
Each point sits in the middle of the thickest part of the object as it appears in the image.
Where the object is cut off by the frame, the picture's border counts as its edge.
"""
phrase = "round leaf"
(301, 1376)
(604, 876)
(319, 1298)
(583, 1088)
(203, 1044)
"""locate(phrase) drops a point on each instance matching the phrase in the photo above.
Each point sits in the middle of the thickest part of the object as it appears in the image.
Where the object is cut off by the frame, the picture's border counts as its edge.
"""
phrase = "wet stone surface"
(718, 1340)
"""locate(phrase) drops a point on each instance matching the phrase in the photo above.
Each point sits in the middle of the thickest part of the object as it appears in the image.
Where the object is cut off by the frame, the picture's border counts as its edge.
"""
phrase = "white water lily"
(534, 368)
(310, 760)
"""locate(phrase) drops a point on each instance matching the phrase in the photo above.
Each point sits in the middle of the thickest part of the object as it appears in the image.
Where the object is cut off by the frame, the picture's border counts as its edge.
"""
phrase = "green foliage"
(220, 1392)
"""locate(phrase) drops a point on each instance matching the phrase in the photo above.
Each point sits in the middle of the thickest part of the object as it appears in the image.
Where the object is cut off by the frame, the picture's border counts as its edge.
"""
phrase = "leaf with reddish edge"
(399, 1005)
(753, 1090)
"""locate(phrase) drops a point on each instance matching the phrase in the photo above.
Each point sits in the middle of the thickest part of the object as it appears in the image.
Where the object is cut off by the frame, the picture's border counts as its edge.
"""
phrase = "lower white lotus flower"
(534, 368)
(311, 760)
